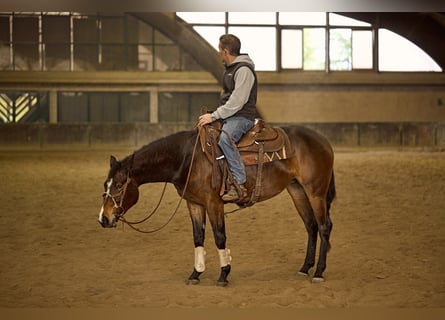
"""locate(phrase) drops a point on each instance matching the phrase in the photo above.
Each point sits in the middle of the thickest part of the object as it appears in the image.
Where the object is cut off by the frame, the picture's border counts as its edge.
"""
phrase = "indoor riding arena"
(77, 88)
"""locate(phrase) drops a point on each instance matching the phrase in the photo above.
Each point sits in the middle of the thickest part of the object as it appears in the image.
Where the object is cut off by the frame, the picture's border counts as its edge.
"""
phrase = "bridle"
(117, 205)
(121, 195)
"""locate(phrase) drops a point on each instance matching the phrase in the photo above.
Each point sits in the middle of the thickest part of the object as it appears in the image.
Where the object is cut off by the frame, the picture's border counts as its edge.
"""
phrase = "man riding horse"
(237, 109)
(295, 158)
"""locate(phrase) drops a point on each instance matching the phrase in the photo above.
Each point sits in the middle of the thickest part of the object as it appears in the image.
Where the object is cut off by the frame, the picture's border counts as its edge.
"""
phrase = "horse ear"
(113, 161)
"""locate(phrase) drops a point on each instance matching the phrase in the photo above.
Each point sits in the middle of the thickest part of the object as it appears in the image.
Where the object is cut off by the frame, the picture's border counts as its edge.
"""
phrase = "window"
(291, 49)
(252, 18)
(314, 44)
(339, 20)
(302, 18)
(340, 49)
(22, 106)
(5, 43)
(260, 44)
(26, 43)
(362, 49)
(399, 54)
(184, 106)
(103, 106)
(210, 34)
(316, 41)
(65, 41)
(202, 17)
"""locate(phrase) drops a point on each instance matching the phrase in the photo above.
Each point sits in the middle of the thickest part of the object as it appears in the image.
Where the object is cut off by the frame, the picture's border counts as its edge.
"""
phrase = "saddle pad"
(251, 158)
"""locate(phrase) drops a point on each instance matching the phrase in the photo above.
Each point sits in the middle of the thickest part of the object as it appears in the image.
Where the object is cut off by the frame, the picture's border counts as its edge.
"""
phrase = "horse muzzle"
(106, 223)
(110, 220)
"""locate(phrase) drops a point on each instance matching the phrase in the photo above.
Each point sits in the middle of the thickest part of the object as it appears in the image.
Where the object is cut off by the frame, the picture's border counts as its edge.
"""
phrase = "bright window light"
(211, 34)
(399, 54)
(314, 48)
(303, 41)
(362, 49)
(339, 20)
(292, 49)
(302, 18)
(340, 49)
(252, 17)
(202, 17)
(260, 44)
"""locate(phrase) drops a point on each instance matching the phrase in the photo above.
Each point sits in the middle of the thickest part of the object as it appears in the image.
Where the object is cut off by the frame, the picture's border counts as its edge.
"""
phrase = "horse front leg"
(216, 217)
(197, 215)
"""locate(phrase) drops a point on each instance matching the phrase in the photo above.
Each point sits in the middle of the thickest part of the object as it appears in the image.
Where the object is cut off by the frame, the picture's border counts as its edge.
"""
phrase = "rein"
(153, 211)
(132, 223)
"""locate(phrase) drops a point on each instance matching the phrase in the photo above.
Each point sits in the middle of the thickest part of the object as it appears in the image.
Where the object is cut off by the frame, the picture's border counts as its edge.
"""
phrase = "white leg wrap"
(224, 257)
(200, 264)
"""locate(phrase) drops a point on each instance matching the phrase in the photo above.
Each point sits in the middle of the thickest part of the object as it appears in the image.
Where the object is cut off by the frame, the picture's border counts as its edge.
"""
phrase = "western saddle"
(261, 144)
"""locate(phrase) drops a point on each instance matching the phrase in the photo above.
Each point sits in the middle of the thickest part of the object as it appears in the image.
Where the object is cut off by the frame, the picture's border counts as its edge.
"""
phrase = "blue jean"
(236, 127)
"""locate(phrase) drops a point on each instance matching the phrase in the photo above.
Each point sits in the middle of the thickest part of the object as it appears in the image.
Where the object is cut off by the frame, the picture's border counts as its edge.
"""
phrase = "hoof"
(192, 282)
(222, 280)
(222, 283)
(304, 274)
(317, 279)
(194, 278)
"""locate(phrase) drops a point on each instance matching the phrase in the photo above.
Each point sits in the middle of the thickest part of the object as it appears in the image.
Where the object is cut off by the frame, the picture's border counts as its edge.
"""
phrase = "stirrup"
(232, 195)
(236, 193)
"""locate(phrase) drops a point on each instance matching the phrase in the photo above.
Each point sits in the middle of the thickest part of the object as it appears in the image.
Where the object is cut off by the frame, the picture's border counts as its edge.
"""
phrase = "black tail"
(329, 198)
(331, 193)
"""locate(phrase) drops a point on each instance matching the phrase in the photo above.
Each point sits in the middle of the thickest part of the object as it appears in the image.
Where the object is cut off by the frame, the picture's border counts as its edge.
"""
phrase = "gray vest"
(249, 109)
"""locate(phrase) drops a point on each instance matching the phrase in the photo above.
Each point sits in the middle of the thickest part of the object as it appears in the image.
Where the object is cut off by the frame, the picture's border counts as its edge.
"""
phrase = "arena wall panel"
(44, 135)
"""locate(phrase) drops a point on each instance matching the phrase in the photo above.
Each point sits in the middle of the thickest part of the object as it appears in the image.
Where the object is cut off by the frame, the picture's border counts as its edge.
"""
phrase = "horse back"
(313, 153)
(307, 139)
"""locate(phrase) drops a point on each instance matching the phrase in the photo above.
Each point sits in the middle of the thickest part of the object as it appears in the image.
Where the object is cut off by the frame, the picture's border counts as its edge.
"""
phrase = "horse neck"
(164, 160)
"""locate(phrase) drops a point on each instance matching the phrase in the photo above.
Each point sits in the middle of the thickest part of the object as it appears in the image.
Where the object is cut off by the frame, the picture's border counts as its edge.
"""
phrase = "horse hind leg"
(324, 222)
(304, 209)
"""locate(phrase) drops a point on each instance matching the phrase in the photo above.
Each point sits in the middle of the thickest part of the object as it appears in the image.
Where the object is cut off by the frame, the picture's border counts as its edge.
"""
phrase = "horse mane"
(172, 151)
(173, 142)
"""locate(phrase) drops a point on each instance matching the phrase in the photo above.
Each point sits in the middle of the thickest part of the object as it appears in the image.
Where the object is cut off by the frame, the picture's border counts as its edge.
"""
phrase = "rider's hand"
(205, 119)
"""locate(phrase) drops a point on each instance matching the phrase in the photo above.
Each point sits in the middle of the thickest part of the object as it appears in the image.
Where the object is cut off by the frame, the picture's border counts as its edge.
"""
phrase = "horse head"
(120, 192)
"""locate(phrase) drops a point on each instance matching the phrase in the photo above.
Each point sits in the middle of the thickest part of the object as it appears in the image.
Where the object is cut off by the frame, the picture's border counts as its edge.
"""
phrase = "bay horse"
(307, 175)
